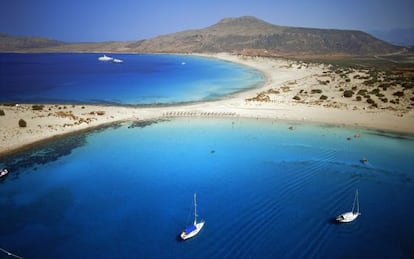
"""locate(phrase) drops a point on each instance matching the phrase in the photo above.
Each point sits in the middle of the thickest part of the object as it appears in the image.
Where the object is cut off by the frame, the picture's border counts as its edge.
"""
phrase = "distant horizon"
(128, 20)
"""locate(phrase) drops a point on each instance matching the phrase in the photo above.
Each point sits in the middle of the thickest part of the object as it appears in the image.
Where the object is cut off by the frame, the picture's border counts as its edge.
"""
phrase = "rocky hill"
(247, 35)
(15, 43)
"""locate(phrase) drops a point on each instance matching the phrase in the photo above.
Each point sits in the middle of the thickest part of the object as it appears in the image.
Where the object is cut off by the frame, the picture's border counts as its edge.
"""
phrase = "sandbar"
(294, 91)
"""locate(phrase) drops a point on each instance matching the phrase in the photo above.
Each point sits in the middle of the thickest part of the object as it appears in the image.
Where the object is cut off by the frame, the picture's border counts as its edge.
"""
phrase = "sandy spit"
(292, 92)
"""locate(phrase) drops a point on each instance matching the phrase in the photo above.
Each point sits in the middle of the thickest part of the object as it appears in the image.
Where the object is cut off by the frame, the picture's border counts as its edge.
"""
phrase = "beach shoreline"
(292, 92)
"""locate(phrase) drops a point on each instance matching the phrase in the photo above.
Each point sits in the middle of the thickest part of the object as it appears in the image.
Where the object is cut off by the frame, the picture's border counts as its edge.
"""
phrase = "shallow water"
(264, 191)
(141, 79)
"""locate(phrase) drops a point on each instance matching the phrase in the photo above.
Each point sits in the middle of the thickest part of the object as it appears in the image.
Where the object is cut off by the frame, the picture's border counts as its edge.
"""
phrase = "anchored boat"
(195, 227)
(105, 58)
(3, 172)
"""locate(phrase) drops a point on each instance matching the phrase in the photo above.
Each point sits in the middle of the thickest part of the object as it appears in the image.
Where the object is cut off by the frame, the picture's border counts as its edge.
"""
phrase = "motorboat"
(117, 61)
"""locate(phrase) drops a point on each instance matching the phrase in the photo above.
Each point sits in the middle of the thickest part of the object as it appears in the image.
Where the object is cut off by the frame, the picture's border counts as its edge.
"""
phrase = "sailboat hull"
(347, 217)
(351, 215)
(197, 227)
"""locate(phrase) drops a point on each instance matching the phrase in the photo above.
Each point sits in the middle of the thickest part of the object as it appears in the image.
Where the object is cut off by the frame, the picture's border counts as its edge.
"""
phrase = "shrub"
(407, 85)
(323, 97)
(348, 93)
(316, 91)
(2, 113)
(362, 92)
(297, 98)
(375, 91)
(37, 107)
(370, 101)
(22, 123)
(384, 86)
(399, 94)
(358, 98)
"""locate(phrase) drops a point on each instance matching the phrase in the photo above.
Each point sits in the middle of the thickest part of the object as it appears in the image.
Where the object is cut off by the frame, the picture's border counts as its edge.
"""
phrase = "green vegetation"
(348, 93)
(323, 97)
(362, 92)
(38, 107)
(316, 91)
(403, 62)
(22, 123)
(398, 94)
(2, 113)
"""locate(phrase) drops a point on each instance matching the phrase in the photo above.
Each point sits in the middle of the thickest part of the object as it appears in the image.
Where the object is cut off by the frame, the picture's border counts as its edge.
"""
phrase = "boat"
(193, 230)
(105, 58)
(3, 172)
(351, 215)
(364, 160)
(117, 61)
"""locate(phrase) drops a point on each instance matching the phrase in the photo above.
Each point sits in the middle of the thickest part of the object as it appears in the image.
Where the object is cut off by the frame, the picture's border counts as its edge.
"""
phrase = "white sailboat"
(3, 172)
(195, 227)
(351, 215)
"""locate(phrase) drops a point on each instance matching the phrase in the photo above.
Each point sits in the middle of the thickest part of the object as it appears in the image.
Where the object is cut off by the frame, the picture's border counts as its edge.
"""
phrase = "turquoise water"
(141, 79)
(264, 191)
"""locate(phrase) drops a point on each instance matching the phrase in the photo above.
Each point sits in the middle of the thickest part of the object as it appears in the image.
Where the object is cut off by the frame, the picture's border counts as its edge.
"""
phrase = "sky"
(130, 20)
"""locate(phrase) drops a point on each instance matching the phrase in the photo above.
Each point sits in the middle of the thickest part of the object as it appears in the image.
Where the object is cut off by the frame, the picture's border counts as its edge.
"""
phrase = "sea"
(265, 189)
(140, 80)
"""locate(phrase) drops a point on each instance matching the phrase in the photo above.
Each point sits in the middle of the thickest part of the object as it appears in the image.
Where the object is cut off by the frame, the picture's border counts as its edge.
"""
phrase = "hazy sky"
(101, 20)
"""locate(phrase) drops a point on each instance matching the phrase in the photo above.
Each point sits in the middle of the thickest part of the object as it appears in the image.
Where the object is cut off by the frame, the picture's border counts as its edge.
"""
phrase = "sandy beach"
(294, 91)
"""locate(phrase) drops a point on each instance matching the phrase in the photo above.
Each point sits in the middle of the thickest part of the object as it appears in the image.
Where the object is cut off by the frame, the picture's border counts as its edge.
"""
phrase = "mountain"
(246, 34)
(15, 43)
(249, 33)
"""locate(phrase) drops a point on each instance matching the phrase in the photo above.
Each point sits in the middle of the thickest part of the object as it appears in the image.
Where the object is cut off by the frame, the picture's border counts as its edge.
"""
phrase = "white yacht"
(195, 227)
(351, 215)
(117, 61)
(105, 58)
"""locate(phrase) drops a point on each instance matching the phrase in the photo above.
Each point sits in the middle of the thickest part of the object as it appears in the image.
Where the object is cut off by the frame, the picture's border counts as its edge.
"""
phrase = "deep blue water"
(264, 191)
(141, 79)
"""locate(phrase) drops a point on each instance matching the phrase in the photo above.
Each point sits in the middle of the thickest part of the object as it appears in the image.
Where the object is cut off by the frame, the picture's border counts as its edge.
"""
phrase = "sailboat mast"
(357, 200)
(195, 208)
